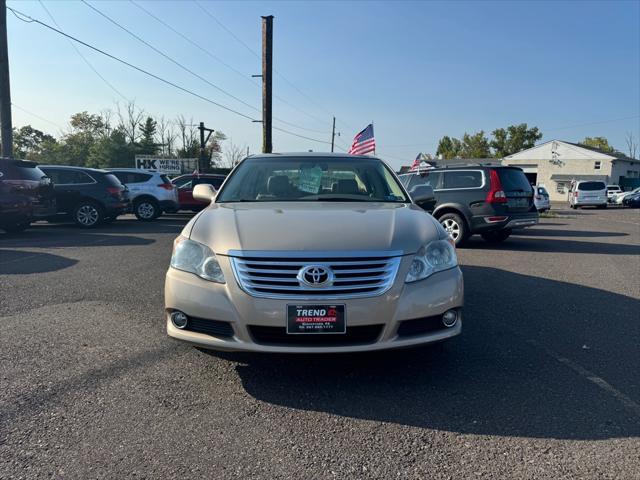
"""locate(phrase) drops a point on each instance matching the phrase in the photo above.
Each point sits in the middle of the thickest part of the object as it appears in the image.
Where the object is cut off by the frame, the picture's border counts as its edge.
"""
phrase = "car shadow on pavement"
(56, 237)
(504, 376)
(19, 262)
(547, 232)
(518, 243)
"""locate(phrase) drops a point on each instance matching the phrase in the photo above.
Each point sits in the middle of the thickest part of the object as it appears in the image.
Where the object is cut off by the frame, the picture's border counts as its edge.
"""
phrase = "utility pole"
(333, 133)
(267, 71)
(203, 161)
(6, 134)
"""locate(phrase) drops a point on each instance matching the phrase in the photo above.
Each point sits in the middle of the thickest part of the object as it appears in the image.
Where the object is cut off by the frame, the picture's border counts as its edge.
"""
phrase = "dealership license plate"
(316, 319)
(518, 202)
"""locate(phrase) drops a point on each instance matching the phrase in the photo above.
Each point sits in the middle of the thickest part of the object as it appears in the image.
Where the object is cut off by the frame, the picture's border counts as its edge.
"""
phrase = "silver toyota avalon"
(312, 253)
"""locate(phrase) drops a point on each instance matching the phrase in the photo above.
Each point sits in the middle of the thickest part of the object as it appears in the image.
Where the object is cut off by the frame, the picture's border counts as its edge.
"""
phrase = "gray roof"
(560, 177)
(615, 153)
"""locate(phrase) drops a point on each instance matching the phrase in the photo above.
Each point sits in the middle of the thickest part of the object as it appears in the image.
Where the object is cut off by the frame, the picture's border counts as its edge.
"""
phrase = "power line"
(83, 57)
(160, 52)
(239, 40)
(35, 115)
(27, 19)
(22, 16)
(215, 57)
(301, 136)
(195, 44)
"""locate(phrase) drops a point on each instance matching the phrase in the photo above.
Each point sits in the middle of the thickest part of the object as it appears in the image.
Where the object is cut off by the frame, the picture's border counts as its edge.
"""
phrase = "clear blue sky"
(419, 70)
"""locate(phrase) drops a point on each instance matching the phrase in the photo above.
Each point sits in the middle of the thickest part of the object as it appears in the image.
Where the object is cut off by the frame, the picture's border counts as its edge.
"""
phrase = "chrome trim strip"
(378, 283)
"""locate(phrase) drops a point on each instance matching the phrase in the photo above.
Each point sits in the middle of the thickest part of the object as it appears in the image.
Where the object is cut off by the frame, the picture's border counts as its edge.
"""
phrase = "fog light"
(450, 318)
(179, 320)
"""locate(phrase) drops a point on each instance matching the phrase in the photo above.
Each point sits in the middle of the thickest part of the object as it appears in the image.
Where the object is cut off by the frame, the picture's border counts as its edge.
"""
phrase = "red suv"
(185, 184)
(26, 194)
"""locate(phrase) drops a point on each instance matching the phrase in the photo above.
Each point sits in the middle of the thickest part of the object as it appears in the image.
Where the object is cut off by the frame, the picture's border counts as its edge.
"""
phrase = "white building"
(556, 163)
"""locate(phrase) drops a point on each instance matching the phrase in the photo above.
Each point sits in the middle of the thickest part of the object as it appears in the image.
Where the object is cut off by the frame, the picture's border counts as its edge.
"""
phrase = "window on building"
(597, 165)
(561, 187)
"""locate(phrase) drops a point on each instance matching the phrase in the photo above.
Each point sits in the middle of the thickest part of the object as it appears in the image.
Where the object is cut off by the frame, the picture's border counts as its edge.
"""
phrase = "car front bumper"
(215, 303)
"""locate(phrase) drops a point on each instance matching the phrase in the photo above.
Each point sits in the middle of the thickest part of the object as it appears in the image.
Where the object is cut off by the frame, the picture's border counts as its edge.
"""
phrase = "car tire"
(455, 226)
(496, 236)
(16, 228)
(146, 210)
(88, 214)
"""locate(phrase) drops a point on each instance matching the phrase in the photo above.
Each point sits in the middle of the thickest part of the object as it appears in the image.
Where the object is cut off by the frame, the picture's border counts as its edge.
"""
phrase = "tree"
(475, 146)
(147, 144)
(601, 143)
(513, 139)
(449, 147)
(112, 151)
(190, 146)
(214, 147)
(233, 153)
(31, 143)
(632, 145)
(129, 118)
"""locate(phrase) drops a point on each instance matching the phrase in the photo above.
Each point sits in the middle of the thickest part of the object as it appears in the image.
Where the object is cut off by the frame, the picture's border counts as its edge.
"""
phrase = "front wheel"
(88, 215)
(455, 227)
(497, 236)
(147, 210)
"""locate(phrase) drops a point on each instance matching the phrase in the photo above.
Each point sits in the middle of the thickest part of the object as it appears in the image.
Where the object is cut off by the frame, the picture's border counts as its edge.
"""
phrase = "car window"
(182, 181)
(463, 179)
(20, 170)
(111, 179)
(591, 186)
(431, 179)
(513, 180)
(164, 179)
(216, 182)
(68, 177)
(312, 179)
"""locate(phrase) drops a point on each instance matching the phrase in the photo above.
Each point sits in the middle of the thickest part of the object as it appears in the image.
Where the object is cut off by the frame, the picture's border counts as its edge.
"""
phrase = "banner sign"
(163, 165)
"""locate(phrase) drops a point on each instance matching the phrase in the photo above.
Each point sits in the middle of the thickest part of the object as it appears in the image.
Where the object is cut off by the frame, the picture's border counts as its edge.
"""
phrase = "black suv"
(487, 200)
(26, 194)
(90, 196)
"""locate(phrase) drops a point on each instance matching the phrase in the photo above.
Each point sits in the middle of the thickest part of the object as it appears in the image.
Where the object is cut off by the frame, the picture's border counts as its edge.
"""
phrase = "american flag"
(364, 142)
(416, 162)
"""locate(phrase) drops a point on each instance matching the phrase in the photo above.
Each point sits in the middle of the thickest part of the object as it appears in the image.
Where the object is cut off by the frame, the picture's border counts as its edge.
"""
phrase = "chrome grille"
(274, 274)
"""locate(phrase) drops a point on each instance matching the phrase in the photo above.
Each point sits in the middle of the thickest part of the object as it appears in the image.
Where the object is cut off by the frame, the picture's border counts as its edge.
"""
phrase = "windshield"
(301, 179)
(591, 186)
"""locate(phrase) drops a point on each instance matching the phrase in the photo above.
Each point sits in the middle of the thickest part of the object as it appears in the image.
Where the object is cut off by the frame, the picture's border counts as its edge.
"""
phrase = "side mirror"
(204, 192)
(422, 193)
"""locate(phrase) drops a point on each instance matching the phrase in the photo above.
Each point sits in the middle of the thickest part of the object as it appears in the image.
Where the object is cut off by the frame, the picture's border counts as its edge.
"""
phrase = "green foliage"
(30, 143)
(475, 146)
(449, 147)
(513, 139)
(600, 143)
(506, 141)
(147, 144)
(91, 141)
(112, 151)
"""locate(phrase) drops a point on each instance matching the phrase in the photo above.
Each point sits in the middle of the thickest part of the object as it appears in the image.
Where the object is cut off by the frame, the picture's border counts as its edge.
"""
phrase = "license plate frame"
(309, 320)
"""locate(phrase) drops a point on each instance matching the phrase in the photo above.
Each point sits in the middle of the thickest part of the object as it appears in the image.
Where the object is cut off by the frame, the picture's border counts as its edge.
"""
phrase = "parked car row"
(89, 196)
(490, 201)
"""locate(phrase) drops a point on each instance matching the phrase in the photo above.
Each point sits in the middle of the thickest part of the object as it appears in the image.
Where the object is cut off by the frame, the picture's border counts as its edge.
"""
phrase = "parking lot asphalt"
(543, 383)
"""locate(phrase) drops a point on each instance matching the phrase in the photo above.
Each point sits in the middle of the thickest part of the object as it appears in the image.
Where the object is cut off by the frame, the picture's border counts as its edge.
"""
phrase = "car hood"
(317, 226)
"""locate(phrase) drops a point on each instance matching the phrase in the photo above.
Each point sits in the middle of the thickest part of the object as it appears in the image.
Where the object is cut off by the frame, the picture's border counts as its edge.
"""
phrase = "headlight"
(190, 256)
(434, 257)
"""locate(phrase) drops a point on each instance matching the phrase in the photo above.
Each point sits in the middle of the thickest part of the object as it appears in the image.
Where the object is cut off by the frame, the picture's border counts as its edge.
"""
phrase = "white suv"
(588, 193)
(151, 192)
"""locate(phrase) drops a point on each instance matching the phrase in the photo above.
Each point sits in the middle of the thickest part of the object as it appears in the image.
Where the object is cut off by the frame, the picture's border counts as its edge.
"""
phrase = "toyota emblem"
(315, 276)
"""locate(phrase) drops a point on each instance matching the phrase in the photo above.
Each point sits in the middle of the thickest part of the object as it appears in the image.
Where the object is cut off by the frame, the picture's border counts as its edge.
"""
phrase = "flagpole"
(374, 136)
